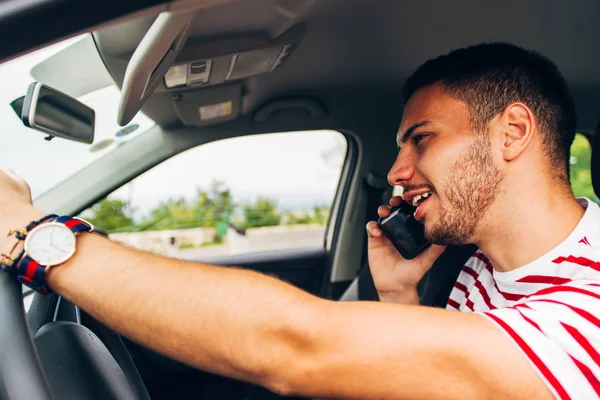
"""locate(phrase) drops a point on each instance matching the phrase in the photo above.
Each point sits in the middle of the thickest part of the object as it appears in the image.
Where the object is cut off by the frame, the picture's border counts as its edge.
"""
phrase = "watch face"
(50, 244)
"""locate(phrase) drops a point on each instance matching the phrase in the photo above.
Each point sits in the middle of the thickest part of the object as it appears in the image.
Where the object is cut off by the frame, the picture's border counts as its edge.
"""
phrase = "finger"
(20, 182)
(10, 173)
(433, 252)
(383, 211)
(373, 230)
(396, 201)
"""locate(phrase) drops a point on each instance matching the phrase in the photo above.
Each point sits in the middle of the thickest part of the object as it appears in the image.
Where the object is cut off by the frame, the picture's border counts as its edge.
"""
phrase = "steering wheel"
(67, 361)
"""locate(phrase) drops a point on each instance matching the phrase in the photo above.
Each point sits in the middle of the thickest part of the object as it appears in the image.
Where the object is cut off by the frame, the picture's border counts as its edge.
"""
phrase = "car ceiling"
(368, 48)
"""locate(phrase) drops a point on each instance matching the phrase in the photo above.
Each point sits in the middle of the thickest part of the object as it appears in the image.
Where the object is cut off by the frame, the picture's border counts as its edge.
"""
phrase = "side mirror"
(47, 110)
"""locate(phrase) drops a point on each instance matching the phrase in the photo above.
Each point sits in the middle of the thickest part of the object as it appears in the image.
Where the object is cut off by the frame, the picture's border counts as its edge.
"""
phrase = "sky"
(298, 170)
(291, 168)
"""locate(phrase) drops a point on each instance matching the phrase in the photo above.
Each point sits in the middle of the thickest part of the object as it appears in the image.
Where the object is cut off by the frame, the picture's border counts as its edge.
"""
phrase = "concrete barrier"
(197, 241)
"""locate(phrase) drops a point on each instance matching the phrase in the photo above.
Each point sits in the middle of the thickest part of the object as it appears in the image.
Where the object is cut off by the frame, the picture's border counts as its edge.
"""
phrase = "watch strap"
(74, 224)
(32, 274)
(21, 235)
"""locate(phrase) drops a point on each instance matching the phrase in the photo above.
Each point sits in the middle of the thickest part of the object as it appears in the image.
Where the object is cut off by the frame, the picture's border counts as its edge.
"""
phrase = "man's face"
(441, 155)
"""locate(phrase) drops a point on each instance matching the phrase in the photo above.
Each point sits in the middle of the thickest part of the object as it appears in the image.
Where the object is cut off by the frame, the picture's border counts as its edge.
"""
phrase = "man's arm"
(256, 328)
(252, 327)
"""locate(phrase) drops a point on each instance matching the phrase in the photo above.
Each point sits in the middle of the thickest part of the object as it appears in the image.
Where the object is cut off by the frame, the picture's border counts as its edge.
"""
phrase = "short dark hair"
(490, 76)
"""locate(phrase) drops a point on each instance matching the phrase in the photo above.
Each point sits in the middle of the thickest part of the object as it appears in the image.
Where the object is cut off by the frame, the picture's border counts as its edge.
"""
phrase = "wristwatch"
(48, 244)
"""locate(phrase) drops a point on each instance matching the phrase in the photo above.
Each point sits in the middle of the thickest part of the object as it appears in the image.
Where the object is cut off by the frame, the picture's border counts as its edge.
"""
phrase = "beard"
(472, 186)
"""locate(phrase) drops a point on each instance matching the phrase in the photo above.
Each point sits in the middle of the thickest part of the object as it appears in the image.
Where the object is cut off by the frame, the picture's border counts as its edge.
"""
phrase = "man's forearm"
(408, 296)
(227, 321)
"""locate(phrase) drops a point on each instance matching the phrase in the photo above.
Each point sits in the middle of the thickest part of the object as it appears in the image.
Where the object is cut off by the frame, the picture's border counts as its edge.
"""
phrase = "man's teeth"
(417, 199)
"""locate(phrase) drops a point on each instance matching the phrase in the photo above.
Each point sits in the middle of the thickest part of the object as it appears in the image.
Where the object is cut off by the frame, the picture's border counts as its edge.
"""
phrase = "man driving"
(484, 152)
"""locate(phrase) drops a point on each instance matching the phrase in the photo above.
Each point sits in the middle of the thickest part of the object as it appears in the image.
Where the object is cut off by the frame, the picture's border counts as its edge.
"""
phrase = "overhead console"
(202, 73)
(220, 60)
(205, 79)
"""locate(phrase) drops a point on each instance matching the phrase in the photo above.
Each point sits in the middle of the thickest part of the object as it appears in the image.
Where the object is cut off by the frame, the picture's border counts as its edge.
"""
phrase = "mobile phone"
(404, 231)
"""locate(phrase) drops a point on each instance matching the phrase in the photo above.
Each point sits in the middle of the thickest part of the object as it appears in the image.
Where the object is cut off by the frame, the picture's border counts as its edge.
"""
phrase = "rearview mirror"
(48, 110)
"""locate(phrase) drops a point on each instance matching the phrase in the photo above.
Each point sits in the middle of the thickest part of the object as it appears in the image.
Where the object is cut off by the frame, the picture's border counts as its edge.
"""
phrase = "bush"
(262, 213)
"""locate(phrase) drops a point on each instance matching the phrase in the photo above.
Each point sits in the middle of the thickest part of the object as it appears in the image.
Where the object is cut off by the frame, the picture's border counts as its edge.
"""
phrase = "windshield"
(44, 164)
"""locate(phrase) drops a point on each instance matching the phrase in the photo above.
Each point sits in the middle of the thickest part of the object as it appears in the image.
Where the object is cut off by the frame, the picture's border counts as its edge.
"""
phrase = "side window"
(240, 195)
(581, 174)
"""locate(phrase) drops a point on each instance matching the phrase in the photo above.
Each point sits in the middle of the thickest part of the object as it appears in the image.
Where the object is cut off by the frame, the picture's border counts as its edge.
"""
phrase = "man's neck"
(528, 228)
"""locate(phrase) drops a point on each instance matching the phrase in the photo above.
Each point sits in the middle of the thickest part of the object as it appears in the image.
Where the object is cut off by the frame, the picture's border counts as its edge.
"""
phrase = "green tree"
(262, 213)
(111, 215)
(210, 208)
(174, 213)
(214, 205)
(297, 218)
(581, 175)
(321, 214)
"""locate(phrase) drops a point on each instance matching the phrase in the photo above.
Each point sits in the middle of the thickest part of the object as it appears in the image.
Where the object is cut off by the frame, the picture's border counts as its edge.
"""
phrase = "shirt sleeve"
(558, 330)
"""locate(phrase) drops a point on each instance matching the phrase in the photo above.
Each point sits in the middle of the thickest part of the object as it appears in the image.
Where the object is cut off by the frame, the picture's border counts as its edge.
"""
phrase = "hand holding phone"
(399, 258)
(406, 234)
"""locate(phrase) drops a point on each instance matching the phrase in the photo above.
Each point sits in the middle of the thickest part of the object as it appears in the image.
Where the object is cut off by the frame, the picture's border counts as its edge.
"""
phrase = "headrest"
(595, 167)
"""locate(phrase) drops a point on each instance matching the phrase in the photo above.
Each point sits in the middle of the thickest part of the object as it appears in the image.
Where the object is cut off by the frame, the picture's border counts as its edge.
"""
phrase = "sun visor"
(208, 106)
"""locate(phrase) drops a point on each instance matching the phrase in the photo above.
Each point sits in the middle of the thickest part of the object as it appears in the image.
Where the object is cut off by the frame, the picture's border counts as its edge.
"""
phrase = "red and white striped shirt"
(550, 307)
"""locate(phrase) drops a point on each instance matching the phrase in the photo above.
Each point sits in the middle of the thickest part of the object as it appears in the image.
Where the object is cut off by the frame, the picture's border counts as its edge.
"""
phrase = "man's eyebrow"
(411, 129)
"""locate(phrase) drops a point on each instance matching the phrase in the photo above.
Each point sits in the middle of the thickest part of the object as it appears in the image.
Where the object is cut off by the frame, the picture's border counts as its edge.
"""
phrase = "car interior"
(204, 71)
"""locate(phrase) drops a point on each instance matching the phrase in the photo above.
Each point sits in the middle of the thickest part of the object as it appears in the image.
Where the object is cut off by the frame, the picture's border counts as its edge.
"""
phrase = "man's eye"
(418, 138)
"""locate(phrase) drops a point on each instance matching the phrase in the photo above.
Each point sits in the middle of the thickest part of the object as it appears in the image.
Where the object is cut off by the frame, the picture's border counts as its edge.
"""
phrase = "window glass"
(581, 174)
(58, 159)
(241, 195)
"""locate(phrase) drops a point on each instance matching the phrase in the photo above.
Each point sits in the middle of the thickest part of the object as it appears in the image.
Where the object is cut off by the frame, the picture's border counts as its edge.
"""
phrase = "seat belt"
(439, 281)
(375, 187)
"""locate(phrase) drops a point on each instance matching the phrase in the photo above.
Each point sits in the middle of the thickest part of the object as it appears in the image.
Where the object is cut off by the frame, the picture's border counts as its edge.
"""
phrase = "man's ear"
(518, 125)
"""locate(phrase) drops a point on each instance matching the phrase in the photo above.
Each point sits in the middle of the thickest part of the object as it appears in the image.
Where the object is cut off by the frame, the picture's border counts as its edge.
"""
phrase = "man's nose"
(402, 171)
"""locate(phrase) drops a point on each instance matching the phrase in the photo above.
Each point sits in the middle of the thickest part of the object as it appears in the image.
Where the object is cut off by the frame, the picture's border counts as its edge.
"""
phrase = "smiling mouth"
(418, 199)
